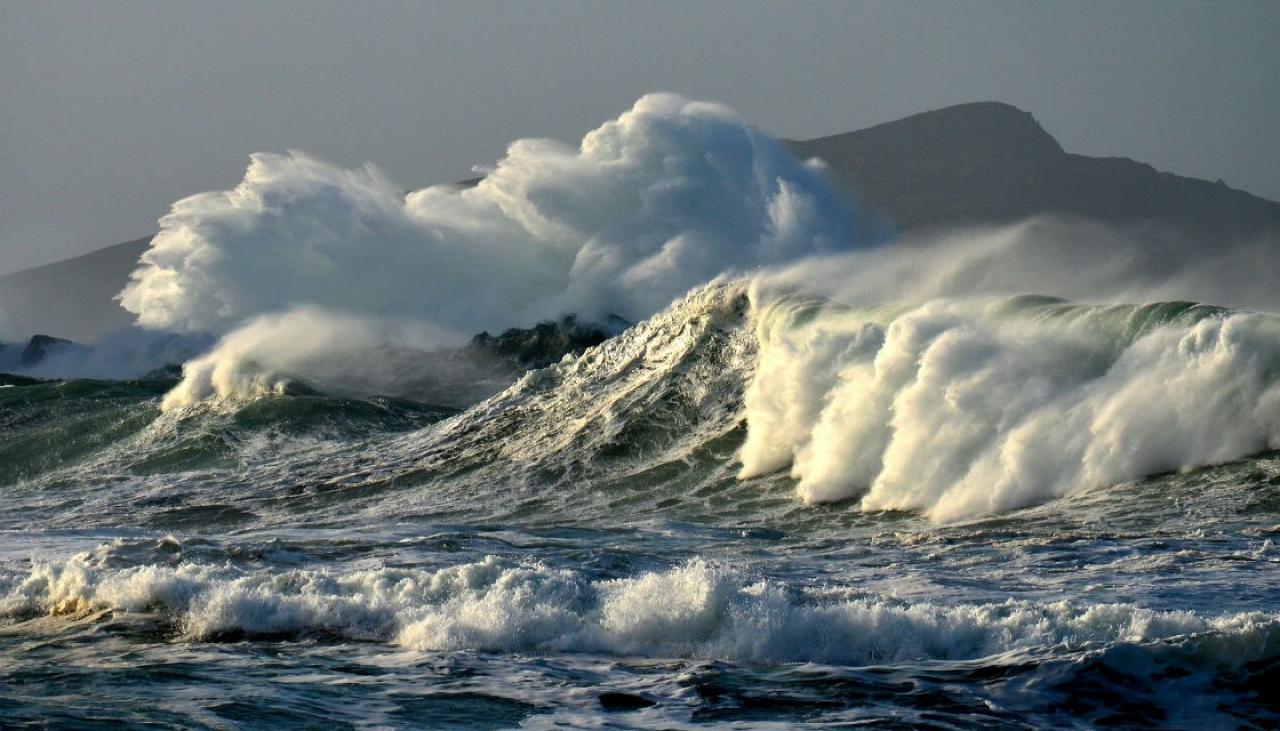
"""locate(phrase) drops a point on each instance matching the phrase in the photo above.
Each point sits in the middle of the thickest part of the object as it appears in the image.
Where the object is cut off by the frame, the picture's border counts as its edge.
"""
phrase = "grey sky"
(109, 111)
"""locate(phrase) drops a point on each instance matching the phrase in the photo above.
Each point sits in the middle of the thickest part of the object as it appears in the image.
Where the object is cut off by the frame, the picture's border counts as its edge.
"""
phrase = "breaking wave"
(952, 409)
(697, 609)
(960, 409)
(945, 396)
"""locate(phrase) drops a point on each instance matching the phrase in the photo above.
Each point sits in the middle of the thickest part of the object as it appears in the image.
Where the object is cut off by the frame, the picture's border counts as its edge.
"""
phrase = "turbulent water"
(748, 510)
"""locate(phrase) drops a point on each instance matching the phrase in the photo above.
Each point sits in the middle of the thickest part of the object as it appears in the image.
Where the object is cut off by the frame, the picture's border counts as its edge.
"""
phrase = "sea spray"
(667, 196)
(305, 345)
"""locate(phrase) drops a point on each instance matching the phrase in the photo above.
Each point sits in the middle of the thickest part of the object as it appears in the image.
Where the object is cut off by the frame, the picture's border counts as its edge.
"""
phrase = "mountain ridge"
(992, 163)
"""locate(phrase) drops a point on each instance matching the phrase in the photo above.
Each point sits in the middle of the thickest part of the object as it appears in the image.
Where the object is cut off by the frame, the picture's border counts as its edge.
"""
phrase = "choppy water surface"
(582, 551)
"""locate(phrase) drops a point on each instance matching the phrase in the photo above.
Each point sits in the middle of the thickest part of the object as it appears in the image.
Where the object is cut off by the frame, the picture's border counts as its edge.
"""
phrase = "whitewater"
(807, 479)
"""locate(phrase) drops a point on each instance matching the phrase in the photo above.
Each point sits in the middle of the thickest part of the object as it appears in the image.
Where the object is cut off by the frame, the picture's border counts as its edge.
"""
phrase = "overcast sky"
(113, 110)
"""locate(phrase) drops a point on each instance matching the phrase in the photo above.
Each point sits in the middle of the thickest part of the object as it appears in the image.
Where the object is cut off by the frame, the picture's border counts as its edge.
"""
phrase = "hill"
(989, 162)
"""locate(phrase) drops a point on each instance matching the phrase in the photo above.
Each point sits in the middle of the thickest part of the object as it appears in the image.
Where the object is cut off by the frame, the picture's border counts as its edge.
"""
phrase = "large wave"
(955, 409)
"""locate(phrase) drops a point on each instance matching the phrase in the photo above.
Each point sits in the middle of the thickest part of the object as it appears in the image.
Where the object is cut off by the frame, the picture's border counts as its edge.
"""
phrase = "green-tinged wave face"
(45, 425)
(721, 404)
(74, 427)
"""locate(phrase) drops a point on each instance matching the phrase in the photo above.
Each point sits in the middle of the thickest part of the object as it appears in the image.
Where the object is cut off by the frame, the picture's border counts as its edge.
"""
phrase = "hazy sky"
(109, 111)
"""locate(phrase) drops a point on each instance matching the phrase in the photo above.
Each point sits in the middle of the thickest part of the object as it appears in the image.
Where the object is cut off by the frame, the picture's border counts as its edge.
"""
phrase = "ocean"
(748, 511)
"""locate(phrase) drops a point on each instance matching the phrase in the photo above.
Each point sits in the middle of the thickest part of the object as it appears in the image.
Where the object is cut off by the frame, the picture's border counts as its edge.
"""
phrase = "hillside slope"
(72, 298)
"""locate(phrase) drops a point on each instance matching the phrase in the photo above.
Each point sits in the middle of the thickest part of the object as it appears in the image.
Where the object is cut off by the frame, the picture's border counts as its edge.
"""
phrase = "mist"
(1051, 255)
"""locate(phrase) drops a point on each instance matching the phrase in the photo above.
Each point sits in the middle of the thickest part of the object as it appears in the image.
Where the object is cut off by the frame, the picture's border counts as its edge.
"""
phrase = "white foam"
(698, 609)
(959, 409)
